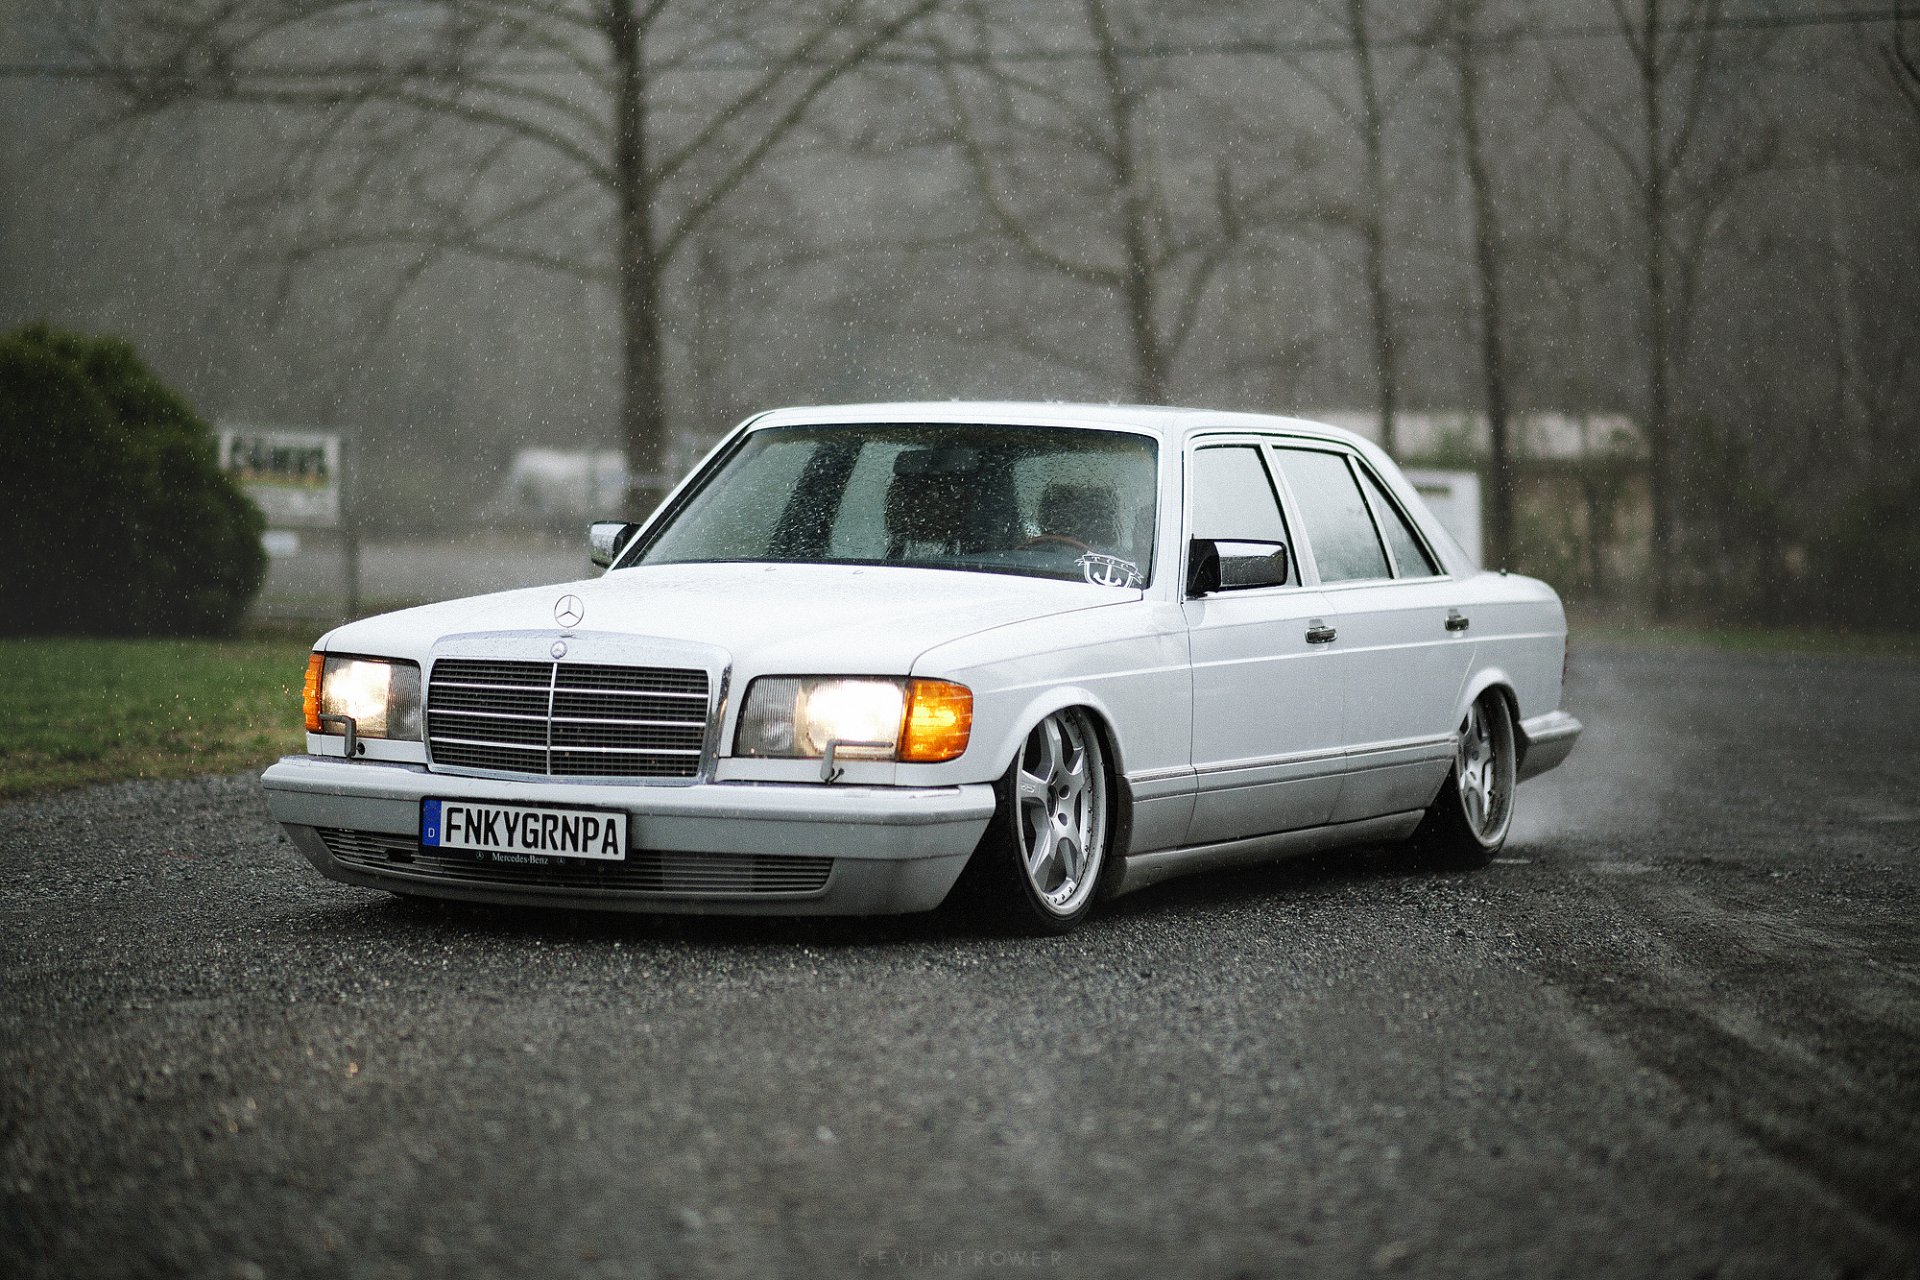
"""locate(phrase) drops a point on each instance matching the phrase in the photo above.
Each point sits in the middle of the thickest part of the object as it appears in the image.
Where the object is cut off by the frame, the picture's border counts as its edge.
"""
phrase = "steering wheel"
(1039, 539)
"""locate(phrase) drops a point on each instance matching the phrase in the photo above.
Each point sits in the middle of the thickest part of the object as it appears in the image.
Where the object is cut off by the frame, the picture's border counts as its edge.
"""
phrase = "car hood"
(800, 618)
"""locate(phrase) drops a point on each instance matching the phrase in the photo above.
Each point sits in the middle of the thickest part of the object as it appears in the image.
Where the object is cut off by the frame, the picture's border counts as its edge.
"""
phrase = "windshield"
(1044, 501)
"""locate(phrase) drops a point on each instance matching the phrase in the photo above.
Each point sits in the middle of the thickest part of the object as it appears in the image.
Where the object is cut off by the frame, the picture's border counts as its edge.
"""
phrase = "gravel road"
(1674, 1032)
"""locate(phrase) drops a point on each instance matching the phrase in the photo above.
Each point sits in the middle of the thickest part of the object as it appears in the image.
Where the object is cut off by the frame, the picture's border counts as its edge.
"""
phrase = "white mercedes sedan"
(878, 658)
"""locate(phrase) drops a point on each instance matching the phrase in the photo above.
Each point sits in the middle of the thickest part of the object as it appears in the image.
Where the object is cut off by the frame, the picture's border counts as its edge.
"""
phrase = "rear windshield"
(1047, 502)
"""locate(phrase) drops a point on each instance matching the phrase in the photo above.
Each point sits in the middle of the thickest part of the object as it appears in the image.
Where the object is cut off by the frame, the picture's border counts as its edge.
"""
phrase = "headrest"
(929, 505)
(1082, 511)
(943, 460)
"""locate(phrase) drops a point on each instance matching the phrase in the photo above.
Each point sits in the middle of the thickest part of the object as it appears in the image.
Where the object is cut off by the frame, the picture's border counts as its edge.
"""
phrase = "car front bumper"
(711, 848)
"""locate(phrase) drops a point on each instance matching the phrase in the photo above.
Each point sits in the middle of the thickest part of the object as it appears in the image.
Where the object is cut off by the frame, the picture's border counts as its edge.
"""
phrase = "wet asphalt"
(1675, 1031)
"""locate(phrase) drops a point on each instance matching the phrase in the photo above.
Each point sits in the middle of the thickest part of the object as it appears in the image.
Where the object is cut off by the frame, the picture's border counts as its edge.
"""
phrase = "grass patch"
(75, 711)
(1809, 641)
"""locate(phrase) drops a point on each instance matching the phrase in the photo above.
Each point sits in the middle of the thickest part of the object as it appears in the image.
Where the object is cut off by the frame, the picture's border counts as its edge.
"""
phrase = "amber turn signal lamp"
(310, 693)
(939, 721)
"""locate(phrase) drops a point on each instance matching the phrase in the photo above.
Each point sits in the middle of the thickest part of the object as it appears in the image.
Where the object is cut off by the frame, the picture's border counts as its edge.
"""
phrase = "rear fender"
(1478, 683)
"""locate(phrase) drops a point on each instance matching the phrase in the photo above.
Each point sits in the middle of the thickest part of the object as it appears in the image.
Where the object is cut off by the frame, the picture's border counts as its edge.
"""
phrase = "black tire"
(1469, 820)
(1038, 869)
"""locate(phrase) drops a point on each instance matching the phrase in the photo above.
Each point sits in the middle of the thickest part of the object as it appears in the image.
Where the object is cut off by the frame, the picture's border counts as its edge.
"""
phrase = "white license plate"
(516, 829)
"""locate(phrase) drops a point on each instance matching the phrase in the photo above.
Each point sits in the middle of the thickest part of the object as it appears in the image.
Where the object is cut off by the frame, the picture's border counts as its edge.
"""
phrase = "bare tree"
(1569, 348)
(1682, 172)
(1379, 82)
(593, 138)
(1078, 171)
(1464, 44)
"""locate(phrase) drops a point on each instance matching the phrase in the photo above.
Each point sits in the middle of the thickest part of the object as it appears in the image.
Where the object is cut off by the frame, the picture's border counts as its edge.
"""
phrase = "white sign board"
(294, 476)
(1454, 499)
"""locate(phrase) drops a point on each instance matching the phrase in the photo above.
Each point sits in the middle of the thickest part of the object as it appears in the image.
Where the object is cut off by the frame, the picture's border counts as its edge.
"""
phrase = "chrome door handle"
(1457, 621)
(1319, 633)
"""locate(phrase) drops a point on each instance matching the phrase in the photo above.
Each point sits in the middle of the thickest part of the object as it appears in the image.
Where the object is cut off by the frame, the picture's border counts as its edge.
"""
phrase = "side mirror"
(1235, 566)
(606, 539)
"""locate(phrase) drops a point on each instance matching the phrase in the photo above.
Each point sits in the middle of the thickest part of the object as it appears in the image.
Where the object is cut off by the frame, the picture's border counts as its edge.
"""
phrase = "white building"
(560, 486)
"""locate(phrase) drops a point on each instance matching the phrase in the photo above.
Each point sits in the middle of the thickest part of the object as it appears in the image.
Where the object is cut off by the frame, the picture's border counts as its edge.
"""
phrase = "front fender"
(1043, 703)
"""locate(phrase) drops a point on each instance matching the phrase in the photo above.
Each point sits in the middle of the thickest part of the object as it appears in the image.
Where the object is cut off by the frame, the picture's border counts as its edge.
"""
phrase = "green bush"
(115, 518)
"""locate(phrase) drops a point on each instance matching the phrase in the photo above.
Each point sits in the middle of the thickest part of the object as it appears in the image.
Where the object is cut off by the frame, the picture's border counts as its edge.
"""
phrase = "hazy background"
(956, 217)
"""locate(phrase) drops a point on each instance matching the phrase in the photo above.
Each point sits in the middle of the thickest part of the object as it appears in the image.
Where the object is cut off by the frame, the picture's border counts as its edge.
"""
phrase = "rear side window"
(1410, 555)
(1334, 511)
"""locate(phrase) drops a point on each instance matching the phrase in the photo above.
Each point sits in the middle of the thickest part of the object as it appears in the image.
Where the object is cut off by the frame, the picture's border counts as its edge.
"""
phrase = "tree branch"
(691, 218)
(755, 94)
(967, 137)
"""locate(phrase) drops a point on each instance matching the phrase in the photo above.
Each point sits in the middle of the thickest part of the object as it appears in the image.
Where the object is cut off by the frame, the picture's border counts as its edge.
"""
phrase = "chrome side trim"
(1439, 745)
(1272, 762)
(1143, 869)
(1160, 784)
(1257, 771)
(1229, 774)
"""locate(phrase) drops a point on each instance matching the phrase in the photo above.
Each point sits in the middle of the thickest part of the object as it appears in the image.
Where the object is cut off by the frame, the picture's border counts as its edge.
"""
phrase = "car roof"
(1171, 423)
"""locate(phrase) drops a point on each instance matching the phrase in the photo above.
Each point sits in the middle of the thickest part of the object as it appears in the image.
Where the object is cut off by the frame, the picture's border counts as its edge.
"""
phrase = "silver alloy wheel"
(1060, 794)
(1483, 768)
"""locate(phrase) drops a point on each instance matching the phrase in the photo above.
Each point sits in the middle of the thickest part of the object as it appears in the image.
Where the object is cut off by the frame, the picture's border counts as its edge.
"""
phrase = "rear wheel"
(1468, 821)
(1038, 868)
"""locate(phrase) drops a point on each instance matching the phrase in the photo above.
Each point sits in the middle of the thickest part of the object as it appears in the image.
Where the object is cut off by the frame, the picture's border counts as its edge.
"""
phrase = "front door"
(1267, 701)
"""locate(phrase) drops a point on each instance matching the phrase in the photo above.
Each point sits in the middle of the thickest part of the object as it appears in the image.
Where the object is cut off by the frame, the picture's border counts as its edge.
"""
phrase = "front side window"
(1346, 546)
(1236, 507)
(1047, 502)
(1233, 500)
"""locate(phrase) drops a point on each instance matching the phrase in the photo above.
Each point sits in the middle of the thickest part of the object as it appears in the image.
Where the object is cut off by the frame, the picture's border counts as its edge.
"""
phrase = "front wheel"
(1038, 868)
(1468, 821)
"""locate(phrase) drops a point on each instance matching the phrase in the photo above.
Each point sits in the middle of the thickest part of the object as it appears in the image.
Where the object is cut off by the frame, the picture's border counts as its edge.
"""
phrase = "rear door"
(1267, 702)
(1400, 645)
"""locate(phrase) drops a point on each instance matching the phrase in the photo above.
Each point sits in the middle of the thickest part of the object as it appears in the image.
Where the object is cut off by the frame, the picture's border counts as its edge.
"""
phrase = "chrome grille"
(682, 874)
(570, 720)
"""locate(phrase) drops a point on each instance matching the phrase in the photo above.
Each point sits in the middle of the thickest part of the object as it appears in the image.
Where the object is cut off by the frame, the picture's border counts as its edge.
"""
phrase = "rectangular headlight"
(872, 718)
(382, 696)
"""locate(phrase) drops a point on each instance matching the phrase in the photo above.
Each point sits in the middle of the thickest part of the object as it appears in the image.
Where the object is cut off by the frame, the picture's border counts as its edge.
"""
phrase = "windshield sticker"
(1110, 571)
